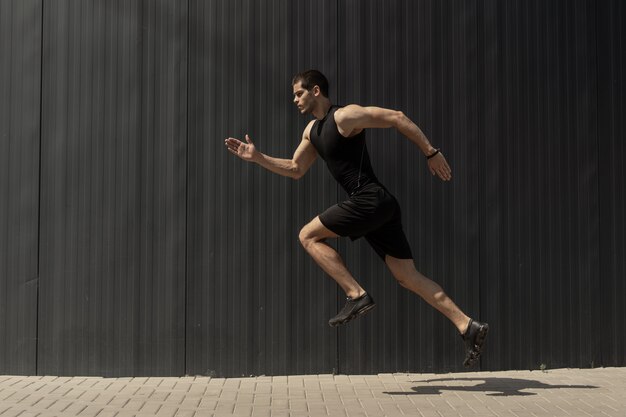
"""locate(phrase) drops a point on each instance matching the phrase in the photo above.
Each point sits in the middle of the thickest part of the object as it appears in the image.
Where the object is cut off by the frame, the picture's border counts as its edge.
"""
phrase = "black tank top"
(346, 158)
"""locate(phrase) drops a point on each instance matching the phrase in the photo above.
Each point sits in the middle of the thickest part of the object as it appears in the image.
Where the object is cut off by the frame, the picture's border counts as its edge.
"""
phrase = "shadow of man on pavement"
(497, 387)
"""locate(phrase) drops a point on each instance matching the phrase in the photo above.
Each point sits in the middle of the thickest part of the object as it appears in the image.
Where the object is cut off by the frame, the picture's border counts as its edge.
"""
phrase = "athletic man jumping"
(337, 134)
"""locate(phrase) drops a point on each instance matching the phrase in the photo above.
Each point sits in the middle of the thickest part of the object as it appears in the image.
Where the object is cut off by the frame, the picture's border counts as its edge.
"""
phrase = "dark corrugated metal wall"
(539, 183)
(161, 254)
(612, 179)
(113, 189)
(20, 76)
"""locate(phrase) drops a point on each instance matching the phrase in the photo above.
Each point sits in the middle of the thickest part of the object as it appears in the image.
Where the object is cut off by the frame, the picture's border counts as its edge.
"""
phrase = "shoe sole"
(478, 347)
(355, 315)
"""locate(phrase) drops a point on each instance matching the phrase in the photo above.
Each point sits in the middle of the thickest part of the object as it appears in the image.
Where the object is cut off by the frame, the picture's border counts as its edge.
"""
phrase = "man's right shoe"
(474, 339)
(353, 309)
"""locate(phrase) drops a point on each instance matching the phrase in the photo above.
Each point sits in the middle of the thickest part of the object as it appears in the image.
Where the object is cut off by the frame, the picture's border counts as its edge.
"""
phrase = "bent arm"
(294, 168)
(354, 117)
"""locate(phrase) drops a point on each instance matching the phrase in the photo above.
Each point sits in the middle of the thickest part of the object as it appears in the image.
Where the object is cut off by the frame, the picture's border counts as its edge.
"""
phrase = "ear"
(316, 91)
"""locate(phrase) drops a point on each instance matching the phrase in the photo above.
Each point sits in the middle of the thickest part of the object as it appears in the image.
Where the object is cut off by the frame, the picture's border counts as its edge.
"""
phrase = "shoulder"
(349, 112)
(357, 117)
(348, 120)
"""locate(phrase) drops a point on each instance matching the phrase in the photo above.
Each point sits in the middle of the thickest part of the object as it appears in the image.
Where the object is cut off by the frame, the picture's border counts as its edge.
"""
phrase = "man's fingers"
(445, 175)
(232, 142)
(439, 166)
(233, 147)
(443, 171)
(248, 139)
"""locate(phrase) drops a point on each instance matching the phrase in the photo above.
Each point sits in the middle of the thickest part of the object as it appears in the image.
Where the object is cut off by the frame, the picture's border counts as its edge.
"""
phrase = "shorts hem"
(329, 228)
(403, 257)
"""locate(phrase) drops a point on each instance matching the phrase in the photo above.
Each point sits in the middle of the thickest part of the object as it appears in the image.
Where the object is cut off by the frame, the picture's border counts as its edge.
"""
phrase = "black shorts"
(371, 212)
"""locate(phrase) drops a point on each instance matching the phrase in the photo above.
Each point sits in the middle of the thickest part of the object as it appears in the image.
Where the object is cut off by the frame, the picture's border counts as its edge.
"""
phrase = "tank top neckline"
(330, 109)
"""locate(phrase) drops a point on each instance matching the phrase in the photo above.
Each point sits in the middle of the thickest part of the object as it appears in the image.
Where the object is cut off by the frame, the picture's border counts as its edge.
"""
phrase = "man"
(337, 134)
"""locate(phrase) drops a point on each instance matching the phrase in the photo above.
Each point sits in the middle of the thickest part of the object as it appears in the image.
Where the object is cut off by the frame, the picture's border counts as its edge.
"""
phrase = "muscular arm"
(353, 118)
(295, 167)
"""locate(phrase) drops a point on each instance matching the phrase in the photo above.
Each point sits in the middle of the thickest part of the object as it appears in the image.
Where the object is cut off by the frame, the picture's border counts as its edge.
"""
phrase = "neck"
(322, 109)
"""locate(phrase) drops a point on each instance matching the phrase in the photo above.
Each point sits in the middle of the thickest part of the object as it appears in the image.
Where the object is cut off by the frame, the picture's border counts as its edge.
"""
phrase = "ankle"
(465, 326)
(356, 294)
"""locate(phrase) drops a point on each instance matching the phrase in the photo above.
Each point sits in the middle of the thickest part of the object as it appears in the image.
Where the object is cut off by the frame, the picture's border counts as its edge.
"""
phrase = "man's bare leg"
(409, 277)
(312, 237)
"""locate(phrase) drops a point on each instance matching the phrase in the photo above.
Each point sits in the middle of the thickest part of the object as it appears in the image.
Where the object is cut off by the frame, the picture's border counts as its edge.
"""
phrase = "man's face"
(304, 99)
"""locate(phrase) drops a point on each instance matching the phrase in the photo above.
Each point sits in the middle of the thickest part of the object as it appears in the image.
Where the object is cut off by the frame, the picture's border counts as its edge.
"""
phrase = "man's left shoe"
(353, 308)
(474, 339)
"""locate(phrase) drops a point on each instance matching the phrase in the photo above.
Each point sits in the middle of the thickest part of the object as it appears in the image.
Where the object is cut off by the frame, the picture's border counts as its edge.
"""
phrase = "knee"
(403, 271)
(305, 238)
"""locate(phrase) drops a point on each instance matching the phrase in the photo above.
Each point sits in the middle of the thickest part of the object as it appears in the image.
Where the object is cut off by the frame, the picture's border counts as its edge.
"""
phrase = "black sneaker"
(353, 309)
(474, 339)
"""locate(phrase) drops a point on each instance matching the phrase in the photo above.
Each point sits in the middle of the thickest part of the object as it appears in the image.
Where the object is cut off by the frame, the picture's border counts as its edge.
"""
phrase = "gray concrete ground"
(559, 392)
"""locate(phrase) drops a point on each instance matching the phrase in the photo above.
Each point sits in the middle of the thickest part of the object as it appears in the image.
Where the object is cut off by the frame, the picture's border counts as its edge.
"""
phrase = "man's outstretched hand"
(245, 151)
(438, 165)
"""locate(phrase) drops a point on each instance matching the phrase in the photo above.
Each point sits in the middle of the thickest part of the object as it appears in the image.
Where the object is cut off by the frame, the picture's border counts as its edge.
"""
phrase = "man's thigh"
(316, 230)
(354, 220)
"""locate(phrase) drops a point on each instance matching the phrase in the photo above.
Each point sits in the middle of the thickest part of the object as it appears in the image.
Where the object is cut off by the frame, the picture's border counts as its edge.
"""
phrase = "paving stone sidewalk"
(559, 392)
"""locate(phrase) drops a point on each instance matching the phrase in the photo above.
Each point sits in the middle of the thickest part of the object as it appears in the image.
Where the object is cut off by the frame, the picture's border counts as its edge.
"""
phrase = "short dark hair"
(310, 79)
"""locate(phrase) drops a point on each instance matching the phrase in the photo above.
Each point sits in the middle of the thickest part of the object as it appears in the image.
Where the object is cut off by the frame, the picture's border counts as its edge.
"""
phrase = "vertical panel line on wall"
(39, 194)
(597, 353)
(186, 198)
(479, 187)
(338, 77)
